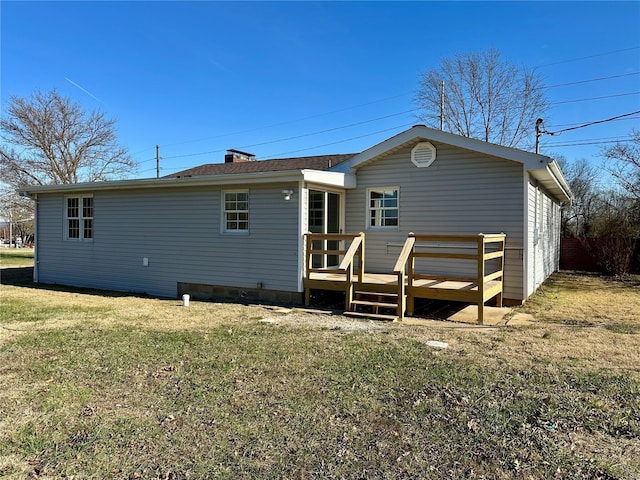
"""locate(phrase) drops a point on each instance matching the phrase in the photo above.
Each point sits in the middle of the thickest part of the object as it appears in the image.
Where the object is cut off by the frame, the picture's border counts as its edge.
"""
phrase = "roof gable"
(422, 133)
(540, 167)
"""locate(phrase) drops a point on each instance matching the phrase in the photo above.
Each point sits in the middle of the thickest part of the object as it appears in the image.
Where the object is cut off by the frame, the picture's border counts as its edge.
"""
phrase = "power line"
(588, 57)
(339, 141)
(289, 121)
(280, 155)
(598, 139)
(604, 142)
(398, 96)
(592, 80)
(593, 123)
(299, 136)
(595, 98)
(572, 124)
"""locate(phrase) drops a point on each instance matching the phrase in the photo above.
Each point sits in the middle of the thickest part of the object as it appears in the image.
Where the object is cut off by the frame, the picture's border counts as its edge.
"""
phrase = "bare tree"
(578, 217)
(18, 212)
(623, 163)
(484, 98)
(48, 139)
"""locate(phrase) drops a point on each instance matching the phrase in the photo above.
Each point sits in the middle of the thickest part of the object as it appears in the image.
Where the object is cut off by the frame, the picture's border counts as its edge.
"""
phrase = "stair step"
(379, 294)
(377, 316)
(374, 304)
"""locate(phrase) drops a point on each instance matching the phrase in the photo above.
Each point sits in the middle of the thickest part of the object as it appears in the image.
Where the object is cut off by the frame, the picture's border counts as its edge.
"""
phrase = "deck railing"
(317, 245)
(399, 270)
(453, 242)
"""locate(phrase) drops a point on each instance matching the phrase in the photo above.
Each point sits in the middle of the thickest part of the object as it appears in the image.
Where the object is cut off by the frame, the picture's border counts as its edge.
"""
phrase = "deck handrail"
(356, 249)
(404, 254)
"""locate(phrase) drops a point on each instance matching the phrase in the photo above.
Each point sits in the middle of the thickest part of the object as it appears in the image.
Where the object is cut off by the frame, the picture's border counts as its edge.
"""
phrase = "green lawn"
(116, 386)
(16, 257)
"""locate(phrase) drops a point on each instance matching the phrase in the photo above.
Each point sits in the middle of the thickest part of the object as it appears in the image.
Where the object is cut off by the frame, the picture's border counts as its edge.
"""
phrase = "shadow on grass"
(23, 277)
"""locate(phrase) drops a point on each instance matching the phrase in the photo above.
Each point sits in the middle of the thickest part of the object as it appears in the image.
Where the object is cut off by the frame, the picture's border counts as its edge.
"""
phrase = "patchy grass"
(16, 257)
(117, 386)
(589, 300)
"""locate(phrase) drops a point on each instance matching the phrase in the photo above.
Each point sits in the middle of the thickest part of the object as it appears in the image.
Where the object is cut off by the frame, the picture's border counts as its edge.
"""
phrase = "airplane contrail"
(83, 89)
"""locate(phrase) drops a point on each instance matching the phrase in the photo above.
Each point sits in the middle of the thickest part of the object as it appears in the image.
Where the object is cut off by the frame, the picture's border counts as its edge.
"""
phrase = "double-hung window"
(79, 218)
(235, 211)
(382, 209)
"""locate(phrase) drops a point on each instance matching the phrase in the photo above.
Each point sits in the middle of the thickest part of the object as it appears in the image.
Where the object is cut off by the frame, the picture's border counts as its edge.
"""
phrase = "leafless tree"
(584, 180)
(484, 98)
(623, 163)
(48, 139)
(16, 210)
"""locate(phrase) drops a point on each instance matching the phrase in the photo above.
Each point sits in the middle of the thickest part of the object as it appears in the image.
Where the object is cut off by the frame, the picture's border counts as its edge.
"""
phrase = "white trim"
(36, 273)
(429, 134)
(367, 210)
(525, 226)
(335, 179)
(223, 213)
(301, 254)
(416, 157)
(65, 219)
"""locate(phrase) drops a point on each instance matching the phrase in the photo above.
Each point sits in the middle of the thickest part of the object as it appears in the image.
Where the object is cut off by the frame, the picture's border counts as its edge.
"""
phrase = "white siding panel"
(460, 193)
(179, 231)
(544, 236)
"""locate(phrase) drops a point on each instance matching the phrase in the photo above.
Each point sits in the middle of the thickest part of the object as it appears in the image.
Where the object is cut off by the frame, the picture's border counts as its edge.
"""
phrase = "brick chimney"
(236, 156)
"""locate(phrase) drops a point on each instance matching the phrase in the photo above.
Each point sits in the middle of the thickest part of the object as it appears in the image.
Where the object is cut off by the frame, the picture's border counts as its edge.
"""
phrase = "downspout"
(536, 237)
(301, 227)
(36, 240)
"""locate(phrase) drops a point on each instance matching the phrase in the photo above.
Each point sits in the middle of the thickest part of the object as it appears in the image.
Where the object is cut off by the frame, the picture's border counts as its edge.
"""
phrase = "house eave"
(332, 179)
(317, 176)
(551, 178)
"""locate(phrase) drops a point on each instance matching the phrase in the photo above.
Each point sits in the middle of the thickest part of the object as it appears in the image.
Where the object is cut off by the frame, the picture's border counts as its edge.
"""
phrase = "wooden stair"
(376, 305)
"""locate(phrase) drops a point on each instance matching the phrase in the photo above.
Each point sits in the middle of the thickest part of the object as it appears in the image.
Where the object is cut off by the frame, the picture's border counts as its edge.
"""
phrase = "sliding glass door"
(324, 217)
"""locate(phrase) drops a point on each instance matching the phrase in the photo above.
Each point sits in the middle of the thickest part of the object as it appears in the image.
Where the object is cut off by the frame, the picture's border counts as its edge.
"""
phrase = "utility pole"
(442, 106)
(539, 132)
(157, 161)
(11, 226)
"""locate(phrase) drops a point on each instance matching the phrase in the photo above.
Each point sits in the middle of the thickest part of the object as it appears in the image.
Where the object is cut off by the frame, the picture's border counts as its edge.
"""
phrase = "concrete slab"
(462, 316)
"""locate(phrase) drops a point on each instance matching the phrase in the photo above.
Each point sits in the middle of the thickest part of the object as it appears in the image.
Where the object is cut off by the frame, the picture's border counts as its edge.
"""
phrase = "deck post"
(480, 278)
(401, 297)
(349, 289)
(307, 268)
(361, 259)
(501, 268)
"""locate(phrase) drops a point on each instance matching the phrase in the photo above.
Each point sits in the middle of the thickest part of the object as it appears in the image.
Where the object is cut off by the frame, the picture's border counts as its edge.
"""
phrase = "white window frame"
(368, 209)
(223, 225)
(81, 218)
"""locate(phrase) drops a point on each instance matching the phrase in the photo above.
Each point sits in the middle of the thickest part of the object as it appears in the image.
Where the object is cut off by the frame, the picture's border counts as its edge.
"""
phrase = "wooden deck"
(405, 284)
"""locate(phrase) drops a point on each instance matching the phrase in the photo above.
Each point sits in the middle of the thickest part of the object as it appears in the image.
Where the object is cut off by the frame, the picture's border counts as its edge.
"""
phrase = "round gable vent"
(423, 154)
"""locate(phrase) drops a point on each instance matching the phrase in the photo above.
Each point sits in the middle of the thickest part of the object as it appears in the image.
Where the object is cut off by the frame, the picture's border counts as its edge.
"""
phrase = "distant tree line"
(605, 210)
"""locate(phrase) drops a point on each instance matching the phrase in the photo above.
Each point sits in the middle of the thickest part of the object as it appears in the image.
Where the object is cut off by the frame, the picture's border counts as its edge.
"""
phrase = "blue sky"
(198, 78)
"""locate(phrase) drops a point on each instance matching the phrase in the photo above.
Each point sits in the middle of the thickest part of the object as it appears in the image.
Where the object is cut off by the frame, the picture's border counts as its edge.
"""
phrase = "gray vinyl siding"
(544, 236)
(462, 192)
(179, 231)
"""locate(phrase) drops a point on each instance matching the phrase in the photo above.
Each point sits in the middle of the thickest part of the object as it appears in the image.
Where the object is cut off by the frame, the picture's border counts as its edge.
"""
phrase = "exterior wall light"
(288, 194)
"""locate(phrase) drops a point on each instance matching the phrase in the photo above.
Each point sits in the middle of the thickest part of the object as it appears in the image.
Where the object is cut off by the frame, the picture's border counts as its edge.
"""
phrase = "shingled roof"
(318, 162)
